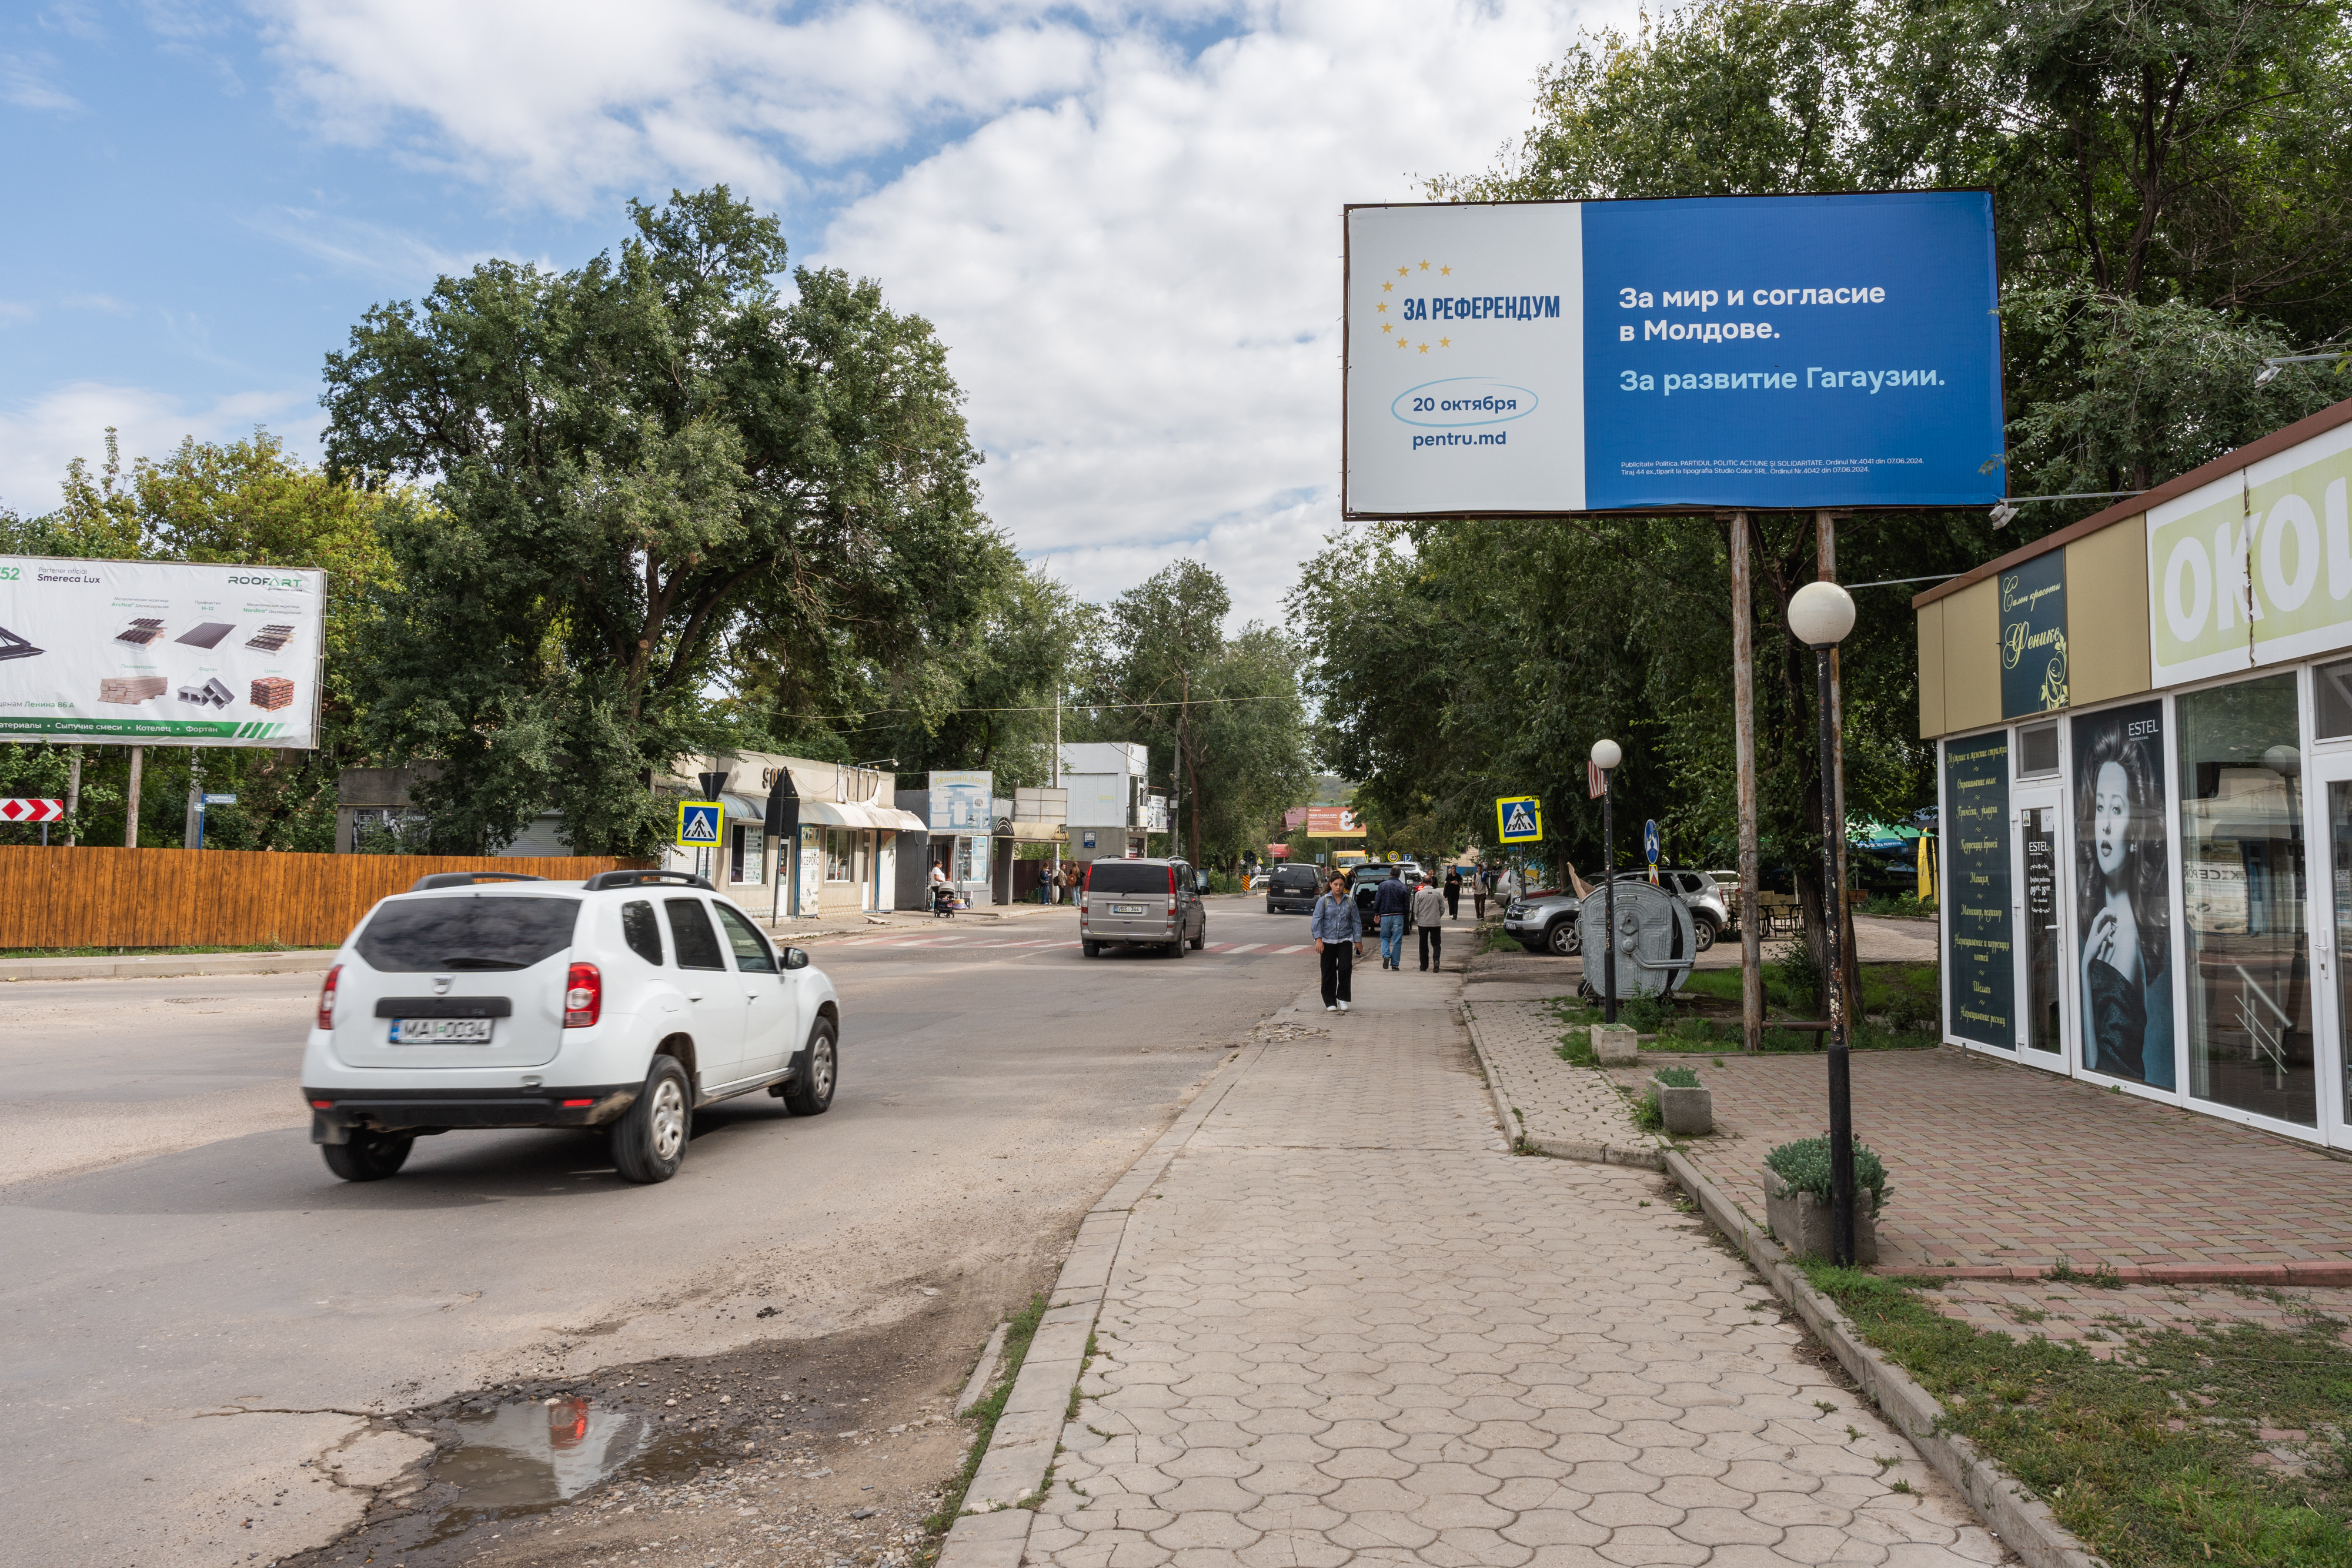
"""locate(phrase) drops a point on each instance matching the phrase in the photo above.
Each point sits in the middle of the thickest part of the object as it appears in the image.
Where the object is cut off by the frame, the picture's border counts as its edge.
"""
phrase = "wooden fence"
(94, 897)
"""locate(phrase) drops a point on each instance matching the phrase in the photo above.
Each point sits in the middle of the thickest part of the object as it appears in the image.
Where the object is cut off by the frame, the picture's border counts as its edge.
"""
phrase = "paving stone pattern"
(1345, 1326)
(1990, 1163)
(1575, 1113)
(2096, 1317)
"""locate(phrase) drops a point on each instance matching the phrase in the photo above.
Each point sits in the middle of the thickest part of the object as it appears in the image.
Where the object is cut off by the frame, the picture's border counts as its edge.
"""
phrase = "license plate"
(441, 1032)
(1126, 909)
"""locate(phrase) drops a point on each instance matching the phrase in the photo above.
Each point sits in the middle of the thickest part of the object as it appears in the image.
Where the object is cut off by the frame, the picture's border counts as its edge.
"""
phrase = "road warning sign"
(698, 824)
(1520, 819)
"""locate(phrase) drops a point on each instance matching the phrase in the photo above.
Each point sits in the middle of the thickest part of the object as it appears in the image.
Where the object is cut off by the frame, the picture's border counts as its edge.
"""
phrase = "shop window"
(2331, 714)
(2250, 1040)
(2123, 894)
(839, 855)
(2037, 750)
(745, 854)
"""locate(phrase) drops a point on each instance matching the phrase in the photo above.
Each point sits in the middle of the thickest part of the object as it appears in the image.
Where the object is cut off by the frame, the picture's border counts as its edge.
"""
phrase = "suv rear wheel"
(368, 1156)
(812, 1092)
(1176, 948)
(1703, 931)
(648, 1142)
(1565, 939)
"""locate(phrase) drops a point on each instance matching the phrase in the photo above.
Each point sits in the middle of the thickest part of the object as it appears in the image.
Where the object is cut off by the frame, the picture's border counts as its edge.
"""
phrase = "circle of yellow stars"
(1442, 271)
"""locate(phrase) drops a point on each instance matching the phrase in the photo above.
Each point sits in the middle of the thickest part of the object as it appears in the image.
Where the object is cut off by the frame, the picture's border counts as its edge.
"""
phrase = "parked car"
(1293, 890)
(1366, 886)
(626, 1003)
(1549, 922)
(1140, 903)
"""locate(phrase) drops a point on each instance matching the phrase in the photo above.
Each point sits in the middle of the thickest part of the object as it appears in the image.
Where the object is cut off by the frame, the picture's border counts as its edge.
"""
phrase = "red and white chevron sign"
(23, 808)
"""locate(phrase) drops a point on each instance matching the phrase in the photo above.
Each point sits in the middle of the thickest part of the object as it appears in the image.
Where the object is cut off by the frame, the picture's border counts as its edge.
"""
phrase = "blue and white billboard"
(1751, 352)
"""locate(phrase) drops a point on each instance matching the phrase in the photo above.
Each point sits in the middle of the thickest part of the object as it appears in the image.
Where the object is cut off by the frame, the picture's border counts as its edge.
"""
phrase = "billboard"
(1561, 357)
(1333, 822)
(160, 652)
(960, 802)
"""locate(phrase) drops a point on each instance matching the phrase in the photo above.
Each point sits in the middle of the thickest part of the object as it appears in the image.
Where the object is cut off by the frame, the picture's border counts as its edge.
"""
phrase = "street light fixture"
(1820, 614)
(1606, 756)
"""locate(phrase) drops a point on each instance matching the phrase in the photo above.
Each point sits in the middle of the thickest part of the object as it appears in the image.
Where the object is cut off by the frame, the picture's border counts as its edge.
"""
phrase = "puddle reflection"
(519, 1455)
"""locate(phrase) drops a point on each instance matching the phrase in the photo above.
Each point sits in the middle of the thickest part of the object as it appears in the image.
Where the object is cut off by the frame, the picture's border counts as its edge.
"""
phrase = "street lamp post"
(1820, 614)
(1606, 756)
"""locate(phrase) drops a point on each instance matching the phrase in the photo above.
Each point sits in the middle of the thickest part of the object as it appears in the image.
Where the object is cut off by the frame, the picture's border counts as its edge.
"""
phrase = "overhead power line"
(1046, 708)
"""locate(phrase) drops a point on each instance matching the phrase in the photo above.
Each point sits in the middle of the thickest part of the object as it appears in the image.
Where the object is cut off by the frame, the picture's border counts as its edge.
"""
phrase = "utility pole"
(1841, 908)
(73, 800)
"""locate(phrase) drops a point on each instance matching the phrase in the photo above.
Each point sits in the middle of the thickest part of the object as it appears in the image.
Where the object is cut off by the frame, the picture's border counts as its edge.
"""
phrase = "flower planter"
(1800, 1223)
(1615, 1045)
(1688, 1112)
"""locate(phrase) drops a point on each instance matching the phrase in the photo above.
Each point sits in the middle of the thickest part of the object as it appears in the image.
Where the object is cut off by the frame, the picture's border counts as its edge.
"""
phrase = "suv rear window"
(410, 936)
(1127, 876)
(1295, 880)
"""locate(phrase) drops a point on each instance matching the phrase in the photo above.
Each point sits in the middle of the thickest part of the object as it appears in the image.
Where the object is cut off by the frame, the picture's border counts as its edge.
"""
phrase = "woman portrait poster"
(2123, 905)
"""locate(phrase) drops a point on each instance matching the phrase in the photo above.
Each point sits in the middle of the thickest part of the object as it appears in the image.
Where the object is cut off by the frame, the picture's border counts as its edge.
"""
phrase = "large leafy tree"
(642, 465)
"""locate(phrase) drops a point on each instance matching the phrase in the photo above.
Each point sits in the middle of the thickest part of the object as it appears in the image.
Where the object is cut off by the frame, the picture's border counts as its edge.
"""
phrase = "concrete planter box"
(1616, 1045)
(1689, 1112)
(1801, 1224)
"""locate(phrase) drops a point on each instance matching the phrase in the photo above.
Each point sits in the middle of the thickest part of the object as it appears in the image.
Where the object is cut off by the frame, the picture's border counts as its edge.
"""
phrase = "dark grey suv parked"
(1293, 890)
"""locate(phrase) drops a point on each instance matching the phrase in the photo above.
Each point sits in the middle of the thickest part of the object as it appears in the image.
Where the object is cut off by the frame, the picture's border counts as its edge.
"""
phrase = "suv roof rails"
(604, 879)
(467, 879)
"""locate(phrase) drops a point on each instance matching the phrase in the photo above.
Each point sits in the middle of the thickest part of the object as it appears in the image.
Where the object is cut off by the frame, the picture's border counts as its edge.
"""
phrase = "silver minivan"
(1142, 904)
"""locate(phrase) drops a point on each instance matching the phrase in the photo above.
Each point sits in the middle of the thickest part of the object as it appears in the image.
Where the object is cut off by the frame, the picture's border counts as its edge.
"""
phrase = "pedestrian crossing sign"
(1520, 819)
(698, 824)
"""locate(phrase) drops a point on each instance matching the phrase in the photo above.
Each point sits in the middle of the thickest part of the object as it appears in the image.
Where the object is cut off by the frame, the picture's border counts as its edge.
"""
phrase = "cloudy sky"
(1123, 218)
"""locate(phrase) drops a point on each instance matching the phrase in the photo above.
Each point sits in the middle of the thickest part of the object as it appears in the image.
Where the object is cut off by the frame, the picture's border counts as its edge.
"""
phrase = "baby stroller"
(943, 902)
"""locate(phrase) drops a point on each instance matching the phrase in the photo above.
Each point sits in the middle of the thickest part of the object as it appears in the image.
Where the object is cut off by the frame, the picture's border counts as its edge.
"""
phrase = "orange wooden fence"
(95, 897)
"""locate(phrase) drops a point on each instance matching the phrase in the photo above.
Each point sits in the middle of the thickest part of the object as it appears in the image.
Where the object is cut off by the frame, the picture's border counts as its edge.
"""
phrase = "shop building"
(843, 860)
(1111, 809)
(2143, 733)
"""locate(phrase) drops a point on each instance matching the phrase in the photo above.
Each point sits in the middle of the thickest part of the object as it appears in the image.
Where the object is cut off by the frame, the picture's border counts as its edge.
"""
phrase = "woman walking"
(1453, 892)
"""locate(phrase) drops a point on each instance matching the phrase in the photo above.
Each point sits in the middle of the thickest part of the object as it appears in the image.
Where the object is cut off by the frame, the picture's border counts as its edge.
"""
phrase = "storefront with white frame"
(2144, 736)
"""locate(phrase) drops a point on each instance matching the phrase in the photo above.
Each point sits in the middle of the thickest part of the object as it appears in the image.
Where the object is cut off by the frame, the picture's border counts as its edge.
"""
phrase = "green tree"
(640, 464)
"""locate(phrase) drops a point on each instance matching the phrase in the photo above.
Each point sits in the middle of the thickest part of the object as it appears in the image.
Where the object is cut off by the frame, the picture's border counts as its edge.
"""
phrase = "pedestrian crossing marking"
(698, 824)
(1520, 819)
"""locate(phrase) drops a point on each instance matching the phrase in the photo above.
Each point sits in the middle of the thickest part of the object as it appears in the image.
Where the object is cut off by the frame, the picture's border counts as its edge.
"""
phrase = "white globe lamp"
(1820, 614)
(1607, 755)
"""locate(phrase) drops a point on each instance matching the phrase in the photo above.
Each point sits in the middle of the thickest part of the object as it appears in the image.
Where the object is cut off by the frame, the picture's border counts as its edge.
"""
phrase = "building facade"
(2143, 733)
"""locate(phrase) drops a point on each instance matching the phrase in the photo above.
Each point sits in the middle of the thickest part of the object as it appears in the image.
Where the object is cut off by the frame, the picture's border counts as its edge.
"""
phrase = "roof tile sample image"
(270, 638)
(141, 632)
(15, 647)
(131, 688)
(271, 693)
(205, 635)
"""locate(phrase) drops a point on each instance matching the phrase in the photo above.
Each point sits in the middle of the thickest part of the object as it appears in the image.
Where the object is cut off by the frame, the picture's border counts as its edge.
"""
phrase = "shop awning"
(849, 814)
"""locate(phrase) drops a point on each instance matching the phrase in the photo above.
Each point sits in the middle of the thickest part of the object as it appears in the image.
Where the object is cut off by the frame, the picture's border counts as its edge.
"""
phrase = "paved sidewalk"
(1567, 1111)
(1345, 1324)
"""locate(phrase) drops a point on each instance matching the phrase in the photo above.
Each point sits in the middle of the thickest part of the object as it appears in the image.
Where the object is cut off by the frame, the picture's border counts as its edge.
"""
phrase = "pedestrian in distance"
(1391, 903)
(1429, 919)
(1478, 891)
(1339, 932)
(1453, 892)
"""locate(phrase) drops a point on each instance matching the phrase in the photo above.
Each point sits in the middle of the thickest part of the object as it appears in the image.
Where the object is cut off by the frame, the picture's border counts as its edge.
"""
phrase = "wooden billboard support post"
(1743, 708)
(130, 817)
(1825, 564)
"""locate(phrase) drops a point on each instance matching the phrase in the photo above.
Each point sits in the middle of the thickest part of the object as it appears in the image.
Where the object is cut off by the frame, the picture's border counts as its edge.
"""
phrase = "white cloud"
(356, 246)
(23, 81)
(39, 437)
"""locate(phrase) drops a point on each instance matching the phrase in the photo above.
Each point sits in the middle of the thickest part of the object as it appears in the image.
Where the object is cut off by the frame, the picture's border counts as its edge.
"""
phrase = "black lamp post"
(1820, 614)
(1606, 756)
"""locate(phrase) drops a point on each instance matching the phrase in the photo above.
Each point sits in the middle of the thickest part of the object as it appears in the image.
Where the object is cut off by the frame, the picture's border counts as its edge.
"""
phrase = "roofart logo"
(265, 581)
(1463, 401)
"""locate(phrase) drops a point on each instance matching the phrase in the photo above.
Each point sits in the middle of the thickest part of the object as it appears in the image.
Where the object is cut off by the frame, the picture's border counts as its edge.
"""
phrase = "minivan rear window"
(1127, 876)
(410, 936)
(1295, 880)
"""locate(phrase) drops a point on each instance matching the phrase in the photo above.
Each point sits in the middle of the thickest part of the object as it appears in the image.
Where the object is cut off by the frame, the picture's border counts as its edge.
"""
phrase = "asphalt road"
(198, 1319)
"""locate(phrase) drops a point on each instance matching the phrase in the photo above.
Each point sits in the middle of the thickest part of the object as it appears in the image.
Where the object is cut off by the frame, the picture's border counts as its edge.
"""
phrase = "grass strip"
(1017, 1335)
(2221, 1443)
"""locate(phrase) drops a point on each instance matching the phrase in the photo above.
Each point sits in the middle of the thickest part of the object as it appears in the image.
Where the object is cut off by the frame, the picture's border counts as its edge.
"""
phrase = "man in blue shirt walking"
(1390, 902)
(1339, 932)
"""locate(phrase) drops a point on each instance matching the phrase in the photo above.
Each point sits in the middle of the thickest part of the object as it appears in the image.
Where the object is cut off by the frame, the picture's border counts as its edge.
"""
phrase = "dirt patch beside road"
(792, 1452)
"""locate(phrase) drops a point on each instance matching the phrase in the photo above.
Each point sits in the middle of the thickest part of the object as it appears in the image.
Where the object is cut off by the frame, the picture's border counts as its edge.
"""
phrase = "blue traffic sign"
(1519, 820)
(698, 824)
(1650, 840)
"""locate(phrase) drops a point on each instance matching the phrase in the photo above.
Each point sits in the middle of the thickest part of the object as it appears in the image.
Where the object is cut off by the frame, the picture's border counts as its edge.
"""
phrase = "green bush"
(1643, 1015)
(1901, 903)
(1648, 1114)
(1907, 1012)
(1677, 1077)
(1805, 1166)
(1793, 973)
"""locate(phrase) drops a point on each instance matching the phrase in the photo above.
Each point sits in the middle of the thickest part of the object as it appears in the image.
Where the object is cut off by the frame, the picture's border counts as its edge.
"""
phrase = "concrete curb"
(1515, 1130)
(2021, 1523)
(994, 1531)
(165, 966)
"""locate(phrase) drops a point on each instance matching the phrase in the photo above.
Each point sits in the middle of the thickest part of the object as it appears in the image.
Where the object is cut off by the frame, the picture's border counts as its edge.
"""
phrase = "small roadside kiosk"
(2143, 733)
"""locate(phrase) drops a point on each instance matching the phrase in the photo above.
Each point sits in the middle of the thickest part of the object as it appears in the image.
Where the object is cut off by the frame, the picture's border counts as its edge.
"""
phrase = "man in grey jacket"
(1429, 919)
(1339, 934)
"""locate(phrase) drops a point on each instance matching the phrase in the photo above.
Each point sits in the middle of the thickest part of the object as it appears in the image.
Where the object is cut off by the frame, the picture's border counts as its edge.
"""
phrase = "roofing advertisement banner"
(160, 652)
(1560, 357)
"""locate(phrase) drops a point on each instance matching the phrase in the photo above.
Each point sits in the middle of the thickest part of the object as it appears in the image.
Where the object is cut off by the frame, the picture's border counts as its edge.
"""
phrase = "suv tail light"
(327, 998)
(583, 996)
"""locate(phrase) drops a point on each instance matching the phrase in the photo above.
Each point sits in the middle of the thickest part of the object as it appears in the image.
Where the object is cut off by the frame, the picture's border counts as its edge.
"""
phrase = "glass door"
(2333, 786)
(2041, 974)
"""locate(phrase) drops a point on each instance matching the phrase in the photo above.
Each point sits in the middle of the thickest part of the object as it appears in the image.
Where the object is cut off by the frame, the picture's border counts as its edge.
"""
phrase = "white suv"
(487, 999)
